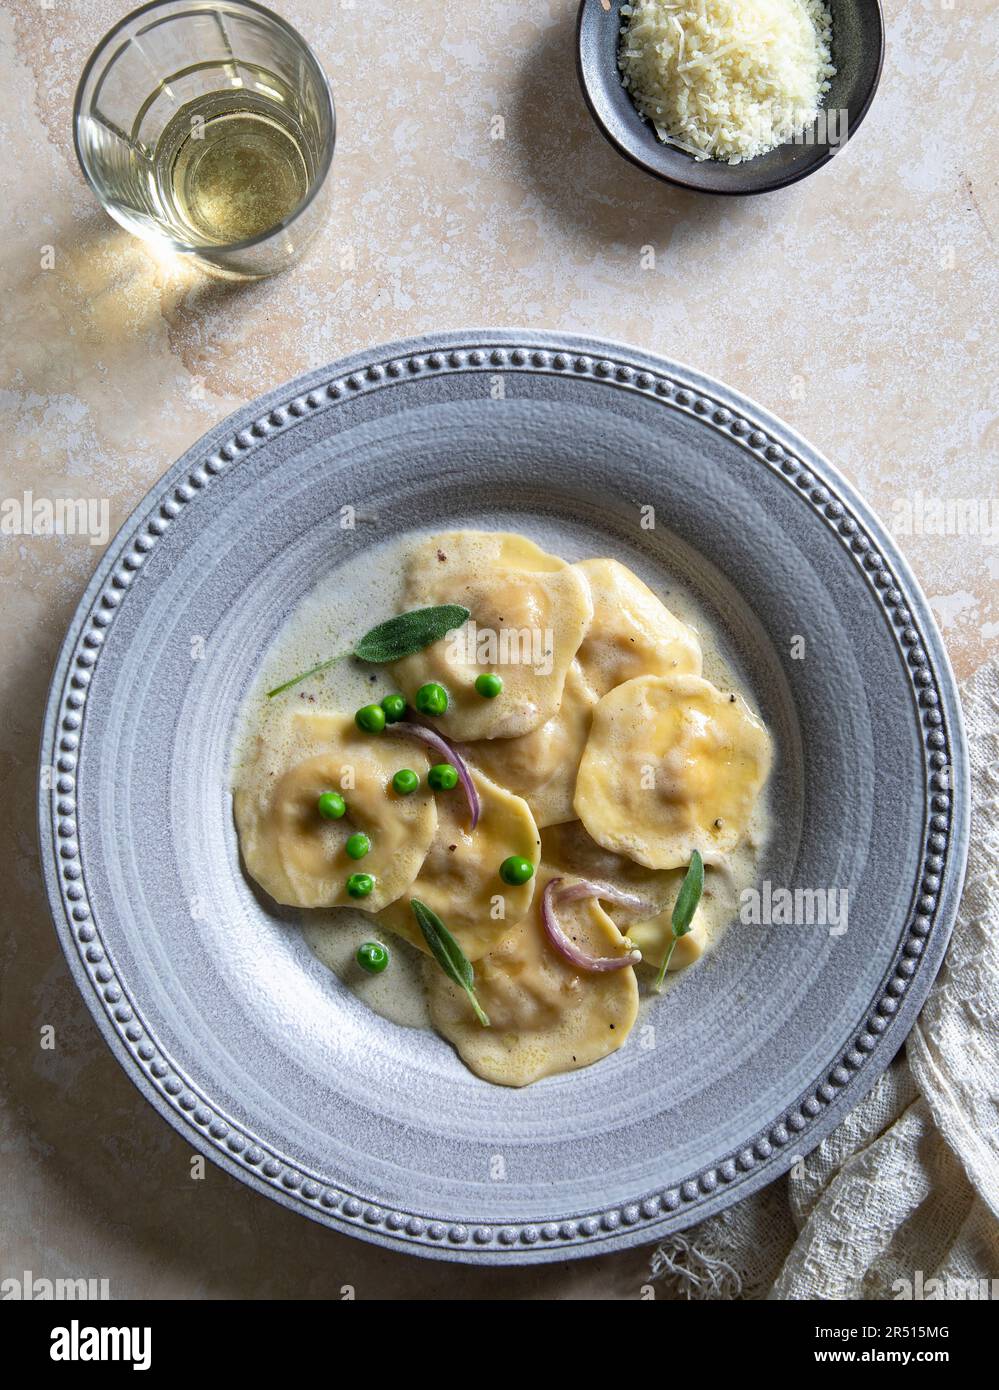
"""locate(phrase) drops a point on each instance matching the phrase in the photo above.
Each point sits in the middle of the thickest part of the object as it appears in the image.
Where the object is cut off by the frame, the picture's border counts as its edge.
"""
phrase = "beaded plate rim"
(928, 922)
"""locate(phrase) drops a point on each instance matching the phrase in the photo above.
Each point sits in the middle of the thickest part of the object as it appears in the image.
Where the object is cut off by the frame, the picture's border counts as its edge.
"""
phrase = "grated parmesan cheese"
(726, 79)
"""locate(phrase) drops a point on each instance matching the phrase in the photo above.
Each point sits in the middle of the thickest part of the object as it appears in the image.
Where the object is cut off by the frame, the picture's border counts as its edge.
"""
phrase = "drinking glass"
(209, 125)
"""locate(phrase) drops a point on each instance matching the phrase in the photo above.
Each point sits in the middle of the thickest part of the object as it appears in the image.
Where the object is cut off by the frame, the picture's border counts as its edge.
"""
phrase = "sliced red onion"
(440, 745)
(587, 888)
(574, 954)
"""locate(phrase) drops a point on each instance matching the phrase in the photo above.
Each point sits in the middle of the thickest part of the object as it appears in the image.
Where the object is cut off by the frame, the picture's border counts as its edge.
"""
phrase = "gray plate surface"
(212, 1001)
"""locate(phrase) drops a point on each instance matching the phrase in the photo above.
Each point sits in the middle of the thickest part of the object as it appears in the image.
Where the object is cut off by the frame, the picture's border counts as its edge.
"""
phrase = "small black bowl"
(858, 46)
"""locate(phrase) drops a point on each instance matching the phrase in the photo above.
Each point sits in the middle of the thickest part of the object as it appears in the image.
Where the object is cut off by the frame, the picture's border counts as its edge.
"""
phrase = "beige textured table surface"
(858, 305)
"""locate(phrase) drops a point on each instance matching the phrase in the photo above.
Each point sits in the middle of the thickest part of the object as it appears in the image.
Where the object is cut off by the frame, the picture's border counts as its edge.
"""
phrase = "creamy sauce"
(398, 993)
(328, 622)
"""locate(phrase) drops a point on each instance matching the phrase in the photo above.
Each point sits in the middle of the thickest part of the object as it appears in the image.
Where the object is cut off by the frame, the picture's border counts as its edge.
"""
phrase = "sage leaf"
(689, 896)
(409, 632)
(448, 954)
(683, 911)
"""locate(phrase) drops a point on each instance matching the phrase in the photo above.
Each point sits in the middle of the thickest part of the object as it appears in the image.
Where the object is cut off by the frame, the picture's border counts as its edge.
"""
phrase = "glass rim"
(184, 247)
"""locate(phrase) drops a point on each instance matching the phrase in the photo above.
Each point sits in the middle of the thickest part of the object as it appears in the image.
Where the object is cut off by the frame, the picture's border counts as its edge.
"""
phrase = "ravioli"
(571, 850)
(632, 632)
(672, 764)
(299, 858)
(541, 766)
(460, 878)
(545, 1015)
(530, 611)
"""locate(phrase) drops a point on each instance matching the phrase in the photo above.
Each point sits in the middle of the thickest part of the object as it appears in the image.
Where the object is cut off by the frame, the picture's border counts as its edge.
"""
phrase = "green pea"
(394, 707)
(431, 699)
(442, 777)
(372, 956)
(516, 870)
(360, 885)
(488, 685)
(331, 806)
(370, 718)
(405, 781)
(357, 845)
